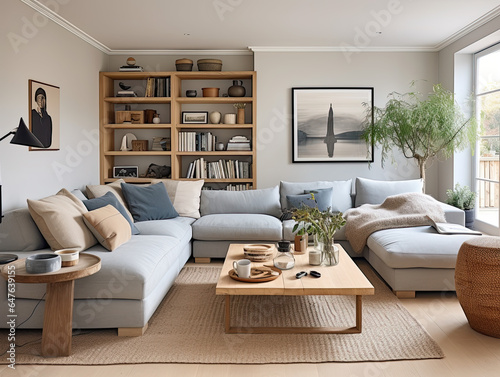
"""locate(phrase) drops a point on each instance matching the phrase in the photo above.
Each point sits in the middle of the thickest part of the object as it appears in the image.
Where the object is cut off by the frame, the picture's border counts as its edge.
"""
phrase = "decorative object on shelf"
(126, 144)
(43, 263)
(220, 147)
(209, 64)
(131, 61)
(125, 171)
(409, 121)
(240, 107)
(158, 171)
(123, 86)
(191, 93)
(135, 117)
(161, 143)
(237, 89)
(210, 92)
(194, 117)
(319, 132)
(215, 117)
(139, 145)
(149, 114)
(131, 67)
(238, 143)
(284, 260)
(184, 65)
(69, 257)
(463, 198)
(156, 119)
(44, 114)
(230, 118)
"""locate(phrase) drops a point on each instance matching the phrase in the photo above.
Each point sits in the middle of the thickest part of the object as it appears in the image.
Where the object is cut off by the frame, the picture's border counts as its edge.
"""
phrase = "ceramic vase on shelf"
(237, 89)
(214, 117)
(156, 119)
(240, 116)
(329, 252)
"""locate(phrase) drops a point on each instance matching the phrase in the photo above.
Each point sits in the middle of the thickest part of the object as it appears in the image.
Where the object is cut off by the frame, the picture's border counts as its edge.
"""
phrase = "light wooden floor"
(468, 354)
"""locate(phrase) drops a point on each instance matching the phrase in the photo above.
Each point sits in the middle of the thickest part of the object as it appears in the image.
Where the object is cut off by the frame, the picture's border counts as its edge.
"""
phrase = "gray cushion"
(18, 232)
(110, 198)
(263, 201)
(341, 194)
(237, 227)
(369, 191)
(322, 199)
(148, 202)
(178, 227)
(416, 247)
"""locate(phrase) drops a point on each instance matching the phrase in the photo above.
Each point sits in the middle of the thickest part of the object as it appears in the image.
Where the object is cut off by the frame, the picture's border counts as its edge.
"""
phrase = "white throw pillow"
(184, 195)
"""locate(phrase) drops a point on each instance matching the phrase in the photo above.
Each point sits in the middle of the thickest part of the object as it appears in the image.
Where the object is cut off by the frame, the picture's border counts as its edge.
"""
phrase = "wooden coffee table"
(58, 316)
(344, 279)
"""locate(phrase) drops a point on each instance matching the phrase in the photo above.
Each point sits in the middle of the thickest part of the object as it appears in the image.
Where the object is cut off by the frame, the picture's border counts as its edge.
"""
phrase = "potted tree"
(421, 128)
(465, 199)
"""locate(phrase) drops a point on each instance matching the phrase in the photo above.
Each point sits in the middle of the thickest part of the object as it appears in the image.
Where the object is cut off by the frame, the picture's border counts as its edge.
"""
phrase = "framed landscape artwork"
(328, 122)
(44, 110)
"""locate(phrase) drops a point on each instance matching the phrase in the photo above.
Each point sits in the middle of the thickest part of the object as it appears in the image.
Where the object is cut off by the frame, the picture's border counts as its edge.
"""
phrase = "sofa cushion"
(233, 227)
(18, 232)
(184, 195)
(148, 202)
(110, 198)
(369, 191)
(322, 199)
(341, 192)
(59, 218)
(420, 247)
(108, 225)
(262, 201)
(178, 227)
(95, 191)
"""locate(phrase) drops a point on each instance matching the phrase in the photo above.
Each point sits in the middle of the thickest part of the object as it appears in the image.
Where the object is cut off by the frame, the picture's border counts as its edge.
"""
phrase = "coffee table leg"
(57, 321)
(359, 313)
(228, 314)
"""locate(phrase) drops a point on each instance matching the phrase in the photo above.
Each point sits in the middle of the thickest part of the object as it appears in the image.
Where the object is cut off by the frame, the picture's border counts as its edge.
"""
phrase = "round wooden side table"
(58, 315)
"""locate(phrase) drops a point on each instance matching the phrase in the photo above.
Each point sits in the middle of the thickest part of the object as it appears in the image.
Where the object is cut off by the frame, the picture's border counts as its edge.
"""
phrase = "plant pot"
(470, 216)
(300, 243)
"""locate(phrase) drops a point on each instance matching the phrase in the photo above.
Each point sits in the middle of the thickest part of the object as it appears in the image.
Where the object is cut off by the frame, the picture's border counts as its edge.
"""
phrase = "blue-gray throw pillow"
(322, 199)
(110, 198)
(148, 202)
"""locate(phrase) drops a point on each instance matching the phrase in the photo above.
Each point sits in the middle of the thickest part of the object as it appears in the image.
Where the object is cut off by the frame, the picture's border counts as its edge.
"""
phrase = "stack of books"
(158, 87)
(191, 141)
(222, 169)
(126, 93)
(238, 143)
(231, 187)
(131, 68)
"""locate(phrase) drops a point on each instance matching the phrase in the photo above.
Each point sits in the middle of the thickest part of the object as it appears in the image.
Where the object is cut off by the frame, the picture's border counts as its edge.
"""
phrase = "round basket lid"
(209, 61)
(184, 61)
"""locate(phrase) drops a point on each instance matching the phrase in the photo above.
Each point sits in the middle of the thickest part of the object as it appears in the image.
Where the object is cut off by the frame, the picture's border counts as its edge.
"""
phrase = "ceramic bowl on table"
(69, 257)
(43, 263)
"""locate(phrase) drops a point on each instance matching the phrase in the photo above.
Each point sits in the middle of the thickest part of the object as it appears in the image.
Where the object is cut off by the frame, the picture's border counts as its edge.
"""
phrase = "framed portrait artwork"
(328, 123)
(44, 110)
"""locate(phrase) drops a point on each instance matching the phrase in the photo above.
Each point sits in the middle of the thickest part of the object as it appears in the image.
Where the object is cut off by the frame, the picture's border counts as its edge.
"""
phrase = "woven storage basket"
(477, 282)
(209, 65)
(184, 64)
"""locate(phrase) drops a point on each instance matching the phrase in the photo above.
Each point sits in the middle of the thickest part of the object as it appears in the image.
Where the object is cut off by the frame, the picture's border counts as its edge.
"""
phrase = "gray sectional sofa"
(135, 277)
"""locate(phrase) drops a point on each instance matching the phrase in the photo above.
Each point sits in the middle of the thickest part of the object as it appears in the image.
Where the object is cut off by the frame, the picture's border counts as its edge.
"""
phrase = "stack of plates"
(258, 252)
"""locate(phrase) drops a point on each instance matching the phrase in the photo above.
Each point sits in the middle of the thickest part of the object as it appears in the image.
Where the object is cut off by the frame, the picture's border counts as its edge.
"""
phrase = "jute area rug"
(188, 327)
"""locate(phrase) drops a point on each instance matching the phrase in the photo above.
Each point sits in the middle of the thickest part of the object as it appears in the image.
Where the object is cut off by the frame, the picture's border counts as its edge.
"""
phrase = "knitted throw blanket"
(398, 211)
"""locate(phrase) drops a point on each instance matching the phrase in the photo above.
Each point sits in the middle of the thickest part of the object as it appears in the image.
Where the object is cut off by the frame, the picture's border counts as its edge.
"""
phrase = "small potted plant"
(465, 199)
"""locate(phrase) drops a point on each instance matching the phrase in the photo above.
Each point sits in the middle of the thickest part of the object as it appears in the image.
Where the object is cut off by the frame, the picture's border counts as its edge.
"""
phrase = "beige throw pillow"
(96, 191)
(59, 219)
(109, 226)
(184, 195)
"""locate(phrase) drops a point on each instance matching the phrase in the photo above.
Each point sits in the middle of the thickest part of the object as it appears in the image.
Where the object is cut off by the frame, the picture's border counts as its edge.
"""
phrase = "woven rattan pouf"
(477, 282)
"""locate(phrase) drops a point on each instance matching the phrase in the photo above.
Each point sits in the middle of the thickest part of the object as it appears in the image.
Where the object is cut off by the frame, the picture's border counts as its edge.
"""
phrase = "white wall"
(278, 72)
(45, 52)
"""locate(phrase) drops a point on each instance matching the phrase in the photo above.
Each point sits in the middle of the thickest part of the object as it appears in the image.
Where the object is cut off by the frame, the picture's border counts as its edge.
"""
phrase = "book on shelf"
(238, 143)
(232, 187)
(131, 68)
(221, 169)
(126, 93)
(157, 87)
(449, 228)
(191, 141)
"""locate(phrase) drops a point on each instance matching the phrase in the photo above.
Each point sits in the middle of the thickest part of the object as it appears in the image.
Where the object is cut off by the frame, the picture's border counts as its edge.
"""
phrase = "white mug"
(242, 268)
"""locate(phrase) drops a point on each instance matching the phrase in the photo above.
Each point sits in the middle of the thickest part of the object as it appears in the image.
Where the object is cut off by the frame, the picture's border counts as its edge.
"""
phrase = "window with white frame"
(487, 95)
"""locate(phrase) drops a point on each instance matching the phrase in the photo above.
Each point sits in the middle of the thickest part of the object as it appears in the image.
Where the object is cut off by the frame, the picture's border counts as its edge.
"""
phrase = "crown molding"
(345, 48)
(495, 12)
(180, 52)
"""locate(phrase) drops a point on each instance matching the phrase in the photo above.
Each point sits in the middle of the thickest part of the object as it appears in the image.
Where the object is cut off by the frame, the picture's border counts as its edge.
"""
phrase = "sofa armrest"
(453, 215)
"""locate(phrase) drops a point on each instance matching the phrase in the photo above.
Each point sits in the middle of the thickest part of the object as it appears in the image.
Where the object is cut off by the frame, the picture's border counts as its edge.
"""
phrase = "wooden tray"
(233, 275)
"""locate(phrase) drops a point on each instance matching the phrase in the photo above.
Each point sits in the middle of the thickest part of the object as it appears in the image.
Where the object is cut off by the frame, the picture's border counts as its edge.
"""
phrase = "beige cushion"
(109, 226)
(96, 191)
(59, 219)
(184, 195)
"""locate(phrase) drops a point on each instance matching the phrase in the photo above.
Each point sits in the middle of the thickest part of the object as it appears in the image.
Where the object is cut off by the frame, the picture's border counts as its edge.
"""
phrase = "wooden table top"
(88, 264)
(344, 279)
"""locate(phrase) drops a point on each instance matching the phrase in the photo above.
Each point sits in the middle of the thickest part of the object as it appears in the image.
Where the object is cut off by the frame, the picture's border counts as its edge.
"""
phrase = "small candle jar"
(314, 258)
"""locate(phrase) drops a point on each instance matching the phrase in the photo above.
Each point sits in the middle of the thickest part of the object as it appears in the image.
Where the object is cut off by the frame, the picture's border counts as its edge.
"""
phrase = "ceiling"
(152, 25)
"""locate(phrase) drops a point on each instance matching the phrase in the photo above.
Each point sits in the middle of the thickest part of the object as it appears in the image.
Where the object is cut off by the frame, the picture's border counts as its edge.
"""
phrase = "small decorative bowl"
(210, 92)
(69, 257)
(43, 263)
(191, 93)
(209, 64)
(184, 64)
